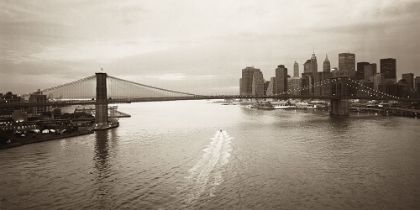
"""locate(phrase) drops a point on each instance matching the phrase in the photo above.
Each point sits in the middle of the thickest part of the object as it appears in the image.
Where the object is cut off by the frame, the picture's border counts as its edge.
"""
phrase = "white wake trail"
(207, 173)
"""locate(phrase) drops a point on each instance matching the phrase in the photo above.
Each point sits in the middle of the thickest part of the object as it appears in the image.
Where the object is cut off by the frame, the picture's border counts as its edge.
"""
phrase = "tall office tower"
(389, 69)
(307, 83)
(409, 77)
(315, 75)
(314, 64)
(296, 69)
(369, 71)
(240, 86)
(258, 83)
(307, 66)
(247, 78)
(326, 66)
(360, 72)
(377, 79)
(266, 84)
(324, 88)
(304, 85)
(281, 79)
(271, 89)
(346, 64)
(417, 83)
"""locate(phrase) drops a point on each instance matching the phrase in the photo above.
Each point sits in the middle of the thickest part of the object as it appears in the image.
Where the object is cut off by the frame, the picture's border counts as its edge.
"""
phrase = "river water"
(172, 155)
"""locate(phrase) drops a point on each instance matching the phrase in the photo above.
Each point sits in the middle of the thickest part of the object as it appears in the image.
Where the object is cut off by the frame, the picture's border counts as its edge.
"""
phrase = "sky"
(196, 46)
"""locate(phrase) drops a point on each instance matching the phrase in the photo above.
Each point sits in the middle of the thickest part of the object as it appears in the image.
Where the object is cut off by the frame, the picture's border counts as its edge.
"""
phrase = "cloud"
(400, 9)
(198, 44)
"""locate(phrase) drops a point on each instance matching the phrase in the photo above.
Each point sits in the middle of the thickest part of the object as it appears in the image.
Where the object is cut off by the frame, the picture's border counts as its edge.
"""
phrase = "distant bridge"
(101, 89)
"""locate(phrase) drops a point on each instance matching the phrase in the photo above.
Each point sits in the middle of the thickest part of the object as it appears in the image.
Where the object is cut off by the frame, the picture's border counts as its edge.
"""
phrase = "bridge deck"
(197, 97)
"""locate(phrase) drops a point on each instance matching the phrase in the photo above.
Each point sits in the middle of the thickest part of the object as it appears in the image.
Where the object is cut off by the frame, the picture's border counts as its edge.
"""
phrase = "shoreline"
(17, 142)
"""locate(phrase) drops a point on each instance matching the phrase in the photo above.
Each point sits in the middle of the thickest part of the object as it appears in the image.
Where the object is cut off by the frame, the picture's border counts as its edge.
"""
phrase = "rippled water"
(172, 155)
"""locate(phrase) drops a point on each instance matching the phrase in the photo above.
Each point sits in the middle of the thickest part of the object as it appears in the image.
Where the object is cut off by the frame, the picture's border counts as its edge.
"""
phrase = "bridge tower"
(340, 89)
(101, 116)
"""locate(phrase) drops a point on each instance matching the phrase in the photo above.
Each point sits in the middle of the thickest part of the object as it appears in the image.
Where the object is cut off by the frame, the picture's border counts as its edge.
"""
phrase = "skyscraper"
(247, 80)
(417, 84)
(360, 72)
(307, 66)
(271, 89)
(314, 64)
(315, 75)
(377, 79)
(281, 79)
(389, 69)
(296, 70)
(409, 77)
(346, 64)
(326, 67)
(369, 71)
(258, 83)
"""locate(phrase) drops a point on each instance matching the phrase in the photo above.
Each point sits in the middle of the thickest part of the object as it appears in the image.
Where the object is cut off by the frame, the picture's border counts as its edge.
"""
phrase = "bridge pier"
(101, 117)
(340, 106)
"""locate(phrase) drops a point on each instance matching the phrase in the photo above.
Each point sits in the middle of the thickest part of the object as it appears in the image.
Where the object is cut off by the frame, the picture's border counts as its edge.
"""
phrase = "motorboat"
(304, 105)
(284, 106)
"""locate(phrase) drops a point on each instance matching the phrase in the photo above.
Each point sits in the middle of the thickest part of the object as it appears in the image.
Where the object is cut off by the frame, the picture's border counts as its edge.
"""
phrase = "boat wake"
(206, 175)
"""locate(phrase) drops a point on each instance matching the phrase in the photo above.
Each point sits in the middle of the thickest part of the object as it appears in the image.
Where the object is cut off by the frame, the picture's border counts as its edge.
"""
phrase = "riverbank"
(40, 137)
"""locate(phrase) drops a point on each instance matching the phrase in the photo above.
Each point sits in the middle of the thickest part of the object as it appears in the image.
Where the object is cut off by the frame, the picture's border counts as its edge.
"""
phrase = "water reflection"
(105, 151)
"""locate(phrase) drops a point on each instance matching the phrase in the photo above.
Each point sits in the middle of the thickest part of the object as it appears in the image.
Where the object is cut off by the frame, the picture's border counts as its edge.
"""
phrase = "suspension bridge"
(102, 89)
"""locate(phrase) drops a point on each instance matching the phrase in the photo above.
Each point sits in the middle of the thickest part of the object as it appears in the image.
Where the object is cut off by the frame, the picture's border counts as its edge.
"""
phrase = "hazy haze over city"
(196, 46)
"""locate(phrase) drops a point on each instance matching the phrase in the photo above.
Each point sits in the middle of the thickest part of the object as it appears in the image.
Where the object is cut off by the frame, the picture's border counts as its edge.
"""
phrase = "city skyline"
(197, 47)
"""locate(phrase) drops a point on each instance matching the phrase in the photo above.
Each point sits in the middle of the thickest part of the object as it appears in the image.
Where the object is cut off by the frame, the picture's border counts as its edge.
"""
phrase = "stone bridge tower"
(101, 117)
(340, 90)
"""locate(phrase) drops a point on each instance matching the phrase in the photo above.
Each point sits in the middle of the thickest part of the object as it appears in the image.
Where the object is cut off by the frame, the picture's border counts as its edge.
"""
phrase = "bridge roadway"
(196, 97)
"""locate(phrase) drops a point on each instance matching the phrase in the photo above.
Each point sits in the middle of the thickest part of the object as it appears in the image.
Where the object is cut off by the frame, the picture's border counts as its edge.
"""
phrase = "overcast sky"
(196, 46)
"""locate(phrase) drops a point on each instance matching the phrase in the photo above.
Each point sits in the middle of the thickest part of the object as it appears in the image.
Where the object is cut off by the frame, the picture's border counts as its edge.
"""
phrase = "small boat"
(304, 105)
(106, 127)
(284, 106)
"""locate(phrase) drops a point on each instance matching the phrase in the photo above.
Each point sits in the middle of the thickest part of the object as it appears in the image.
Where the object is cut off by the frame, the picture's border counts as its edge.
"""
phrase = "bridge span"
(101, 90)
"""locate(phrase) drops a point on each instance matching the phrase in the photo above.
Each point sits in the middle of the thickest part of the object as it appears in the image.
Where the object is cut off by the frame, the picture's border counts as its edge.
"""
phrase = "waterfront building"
(271, 89)
(326, 67)
(293, 85)
(346, 64)
(389, 69)
(9, 97)
(296, 69)
(281, 79)
(247, 80)
(409, 77)
(38, 98)
(56, 113)
(369, 71)
(360, 72)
